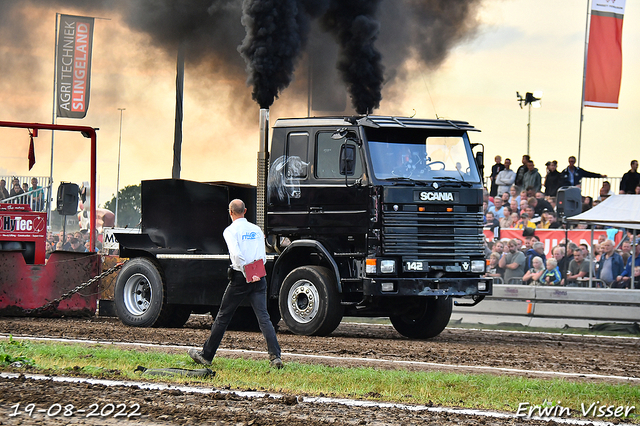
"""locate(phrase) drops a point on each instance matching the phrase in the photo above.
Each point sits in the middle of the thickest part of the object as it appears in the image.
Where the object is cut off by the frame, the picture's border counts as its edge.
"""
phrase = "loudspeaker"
(569, 201)
(67, 200)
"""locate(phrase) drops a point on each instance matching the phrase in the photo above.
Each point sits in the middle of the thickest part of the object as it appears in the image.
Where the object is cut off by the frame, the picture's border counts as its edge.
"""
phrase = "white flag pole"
(584, 80)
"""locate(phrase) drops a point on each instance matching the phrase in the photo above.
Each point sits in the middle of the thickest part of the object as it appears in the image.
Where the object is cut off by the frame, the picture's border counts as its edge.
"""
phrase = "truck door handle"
(315, 209)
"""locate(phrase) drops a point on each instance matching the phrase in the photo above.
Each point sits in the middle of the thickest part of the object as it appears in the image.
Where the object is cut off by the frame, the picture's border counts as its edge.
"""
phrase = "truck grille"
(440, 235)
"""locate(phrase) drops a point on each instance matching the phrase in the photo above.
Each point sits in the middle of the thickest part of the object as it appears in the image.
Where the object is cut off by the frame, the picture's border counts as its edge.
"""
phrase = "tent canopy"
(618, 211)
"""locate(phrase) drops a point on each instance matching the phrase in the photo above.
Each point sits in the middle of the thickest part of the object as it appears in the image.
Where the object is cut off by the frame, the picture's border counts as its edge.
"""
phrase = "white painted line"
(305, 399)
(474, 368)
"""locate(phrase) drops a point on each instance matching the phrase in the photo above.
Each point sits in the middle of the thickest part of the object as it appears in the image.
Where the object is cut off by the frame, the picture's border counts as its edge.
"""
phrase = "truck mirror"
(67, 199)
(480, 162)
(347, 160)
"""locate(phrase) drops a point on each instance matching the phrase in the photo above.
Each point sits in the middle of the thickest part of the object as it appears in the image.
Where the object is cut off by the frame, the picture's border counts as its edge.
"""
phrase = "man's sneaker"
(198, 357)
(276, 363)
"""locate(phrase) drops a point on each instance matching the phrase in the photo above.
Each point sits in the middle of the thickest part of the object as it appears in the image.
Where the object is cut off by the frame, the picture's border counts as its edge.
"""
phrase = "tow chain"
(70, 293)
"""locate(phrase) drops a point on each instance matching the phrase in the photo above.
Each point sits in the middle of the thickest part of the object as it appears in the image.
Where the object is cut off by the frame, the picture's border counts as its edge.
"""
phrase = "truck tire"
(140, 295)
(426, 322)
(310, 302)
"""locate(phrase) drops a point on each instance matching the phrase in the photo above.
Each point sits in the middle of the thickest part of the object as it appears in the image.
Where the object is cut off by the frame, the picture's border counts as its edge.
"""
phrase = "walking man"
(246, 245)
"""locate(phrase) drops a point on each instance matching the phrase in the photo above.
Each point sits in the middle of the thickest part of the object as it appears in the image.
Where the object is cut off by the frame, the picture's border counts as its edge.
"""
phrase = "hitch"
(476, 299)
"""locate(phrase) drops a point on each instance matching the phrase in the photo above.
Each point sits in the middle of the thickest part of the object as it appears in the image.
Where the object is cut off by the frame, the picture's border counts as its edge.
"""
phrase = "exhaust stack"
(263, 169)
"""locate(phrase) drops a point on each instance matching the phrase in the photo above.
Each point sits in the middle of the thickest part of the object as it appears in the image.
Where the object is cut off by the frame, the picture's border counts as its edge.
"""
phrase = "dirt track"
(520, 351)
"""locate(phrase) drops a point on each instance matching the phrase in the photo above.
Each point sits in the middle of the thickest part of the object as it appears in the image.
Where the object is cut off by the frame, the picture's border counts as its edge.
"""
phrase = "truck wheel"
(139, 295)
(310, 302)
(425, 322)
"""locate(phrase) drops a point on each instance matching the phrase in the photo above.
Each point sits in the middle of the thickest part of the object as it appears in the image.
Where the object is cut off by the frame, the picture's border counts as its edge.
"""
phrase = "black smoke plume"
(270, 34)
(355, 27)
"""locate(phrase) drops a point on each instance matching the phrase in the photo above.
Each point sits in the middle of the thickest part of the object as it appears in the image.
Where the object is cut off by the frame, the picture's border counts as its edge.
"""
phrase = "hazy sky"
(520, 45)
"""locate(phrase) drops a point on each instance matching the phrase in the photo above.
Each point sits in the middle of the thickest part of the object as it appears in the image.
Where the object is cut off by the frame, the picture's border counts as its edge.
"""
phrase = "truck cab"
(390, 209)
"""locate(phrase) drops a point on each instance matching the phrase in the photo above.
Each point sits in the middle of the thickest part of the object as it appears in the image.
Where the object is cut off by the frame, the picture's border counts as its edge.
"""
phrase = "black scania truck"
(364, 216)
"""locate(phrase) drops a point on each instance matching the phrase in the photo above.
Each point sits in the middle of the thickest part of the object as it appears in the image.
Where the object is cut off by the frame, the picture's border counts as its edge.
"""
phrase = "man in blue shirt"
(624, 279)
(246, 245)
(572, 175)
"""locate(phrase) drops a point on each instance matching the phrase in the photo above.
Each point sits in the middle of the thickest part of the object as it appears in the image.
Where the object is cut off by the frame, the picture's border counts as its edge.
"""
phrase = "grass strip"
(483, 391)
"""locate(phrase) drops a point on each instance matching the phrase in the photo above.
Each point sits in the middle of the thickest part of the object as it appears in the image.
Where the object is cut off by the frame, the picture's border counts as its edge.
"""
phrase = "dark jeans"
(236, 292)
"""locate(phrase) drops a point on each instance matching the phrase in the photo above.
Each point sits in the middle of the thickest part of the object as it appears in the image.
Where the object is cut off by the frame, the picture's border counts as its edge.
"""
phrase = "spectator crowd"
(523, 199)
(23, 193)
(73, 241)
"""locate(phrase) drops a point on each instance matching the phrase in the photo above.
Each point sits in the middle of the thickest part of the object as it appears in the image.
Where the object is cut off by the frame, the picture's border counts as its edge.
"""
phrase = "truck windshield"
(438, 157)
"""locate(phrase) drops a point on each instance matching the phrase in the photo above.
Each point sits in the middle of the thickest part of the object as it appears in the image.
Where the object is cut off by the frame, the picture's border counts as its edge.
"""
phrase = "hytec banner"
(75, 43)
(604, 55)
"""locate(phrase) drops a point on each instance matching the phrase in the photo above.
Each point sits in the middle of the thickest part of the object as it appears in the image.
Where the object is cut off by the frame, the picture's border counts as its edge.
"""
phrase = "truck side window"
(297, 148)
(328, 157)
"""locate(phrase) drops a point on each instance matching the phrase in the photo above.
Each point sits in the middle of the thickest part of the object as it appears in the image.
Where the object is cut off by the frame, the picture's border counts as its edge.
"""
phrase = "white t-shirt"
(245, 242)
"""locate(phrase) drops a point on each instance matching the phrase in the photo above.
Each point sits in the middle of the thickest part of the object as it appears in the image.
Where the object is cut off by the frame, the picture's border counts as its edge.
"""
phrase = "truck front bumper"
(454, 287)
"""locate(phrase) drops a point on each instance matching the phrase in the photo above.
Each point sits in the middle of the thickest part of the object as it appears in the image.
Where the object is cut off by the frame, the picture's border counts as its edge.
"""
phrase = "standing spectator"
(77, 245)
(610, 265)
(553, 180)
(552, 275)
(37, 197)
(532, 179)
(561, 261)
(16, 190)
(512, 262)
(536, 250)
(498, 247)
(630, 180)
(521, 171)
(578, 269)
(572, 175)
(3, 190)
(623, 280)
(495, 169)
(505, 178)
(533, 275)
(493, 270)
(625, 251)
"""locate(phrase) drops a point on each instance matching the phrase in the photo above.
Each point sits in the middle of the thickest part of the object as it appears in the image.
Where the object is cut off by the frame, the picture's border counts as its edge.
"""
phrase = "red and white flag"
(604, 55)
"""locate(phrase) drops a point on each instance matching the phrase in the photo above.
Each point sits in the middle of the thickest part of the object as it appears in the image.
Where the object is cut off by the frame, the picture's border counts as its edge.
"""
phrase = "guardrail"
(551, 306)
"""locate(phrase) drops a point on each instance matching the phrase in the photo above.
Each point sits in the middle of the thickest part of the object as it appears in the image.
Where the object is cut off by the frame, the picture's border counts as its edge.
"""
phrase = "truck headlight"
(388, 266)
(387, 287)
(477, 266)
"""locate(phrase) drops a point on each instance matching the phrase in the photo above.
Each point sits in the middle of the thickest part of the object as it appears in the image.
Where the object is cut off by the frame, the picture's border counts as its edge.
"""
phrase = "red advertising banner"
(604, 55)
(553, 237)
(19, 224)
(73, 67)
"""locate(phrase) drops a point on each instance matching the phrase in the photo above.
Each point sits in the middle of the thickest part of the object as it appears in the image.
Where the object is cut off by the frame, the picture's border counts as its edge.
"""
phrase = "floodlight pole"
(529, 130)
